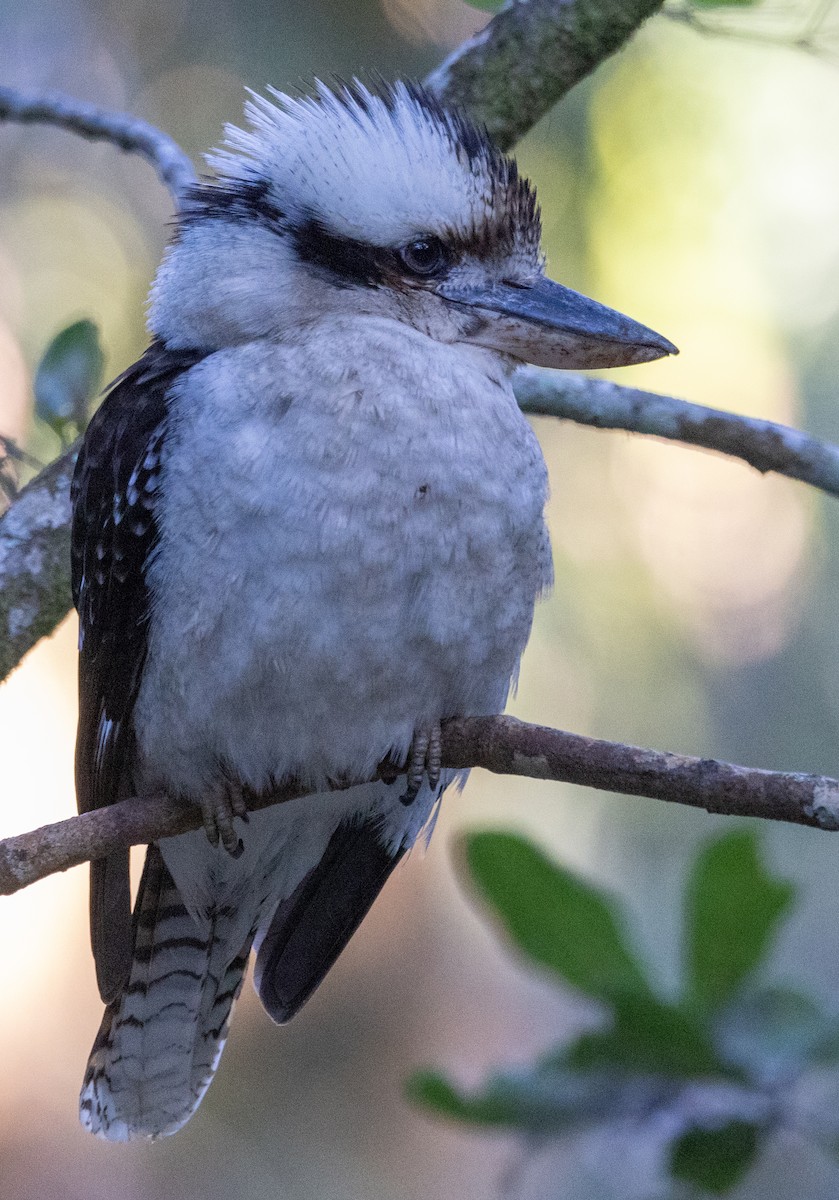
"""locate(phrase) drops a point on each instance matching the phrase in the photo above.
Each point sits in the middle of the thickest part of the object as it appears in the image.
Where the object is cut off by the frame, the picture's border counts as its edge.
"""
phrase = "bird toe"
(424, 761)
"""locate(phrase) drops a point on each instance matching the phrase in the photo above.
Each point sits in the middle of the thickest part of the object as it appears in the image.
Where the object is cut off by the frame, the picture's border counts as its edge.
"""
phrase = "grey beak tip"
(551, 326)
(664, 347)
(668, 347)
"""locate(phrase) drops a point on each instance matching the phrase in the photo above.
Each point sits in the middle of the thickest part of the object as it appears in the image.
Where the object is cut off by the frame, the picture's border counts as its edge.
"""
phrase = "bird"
(308, 527)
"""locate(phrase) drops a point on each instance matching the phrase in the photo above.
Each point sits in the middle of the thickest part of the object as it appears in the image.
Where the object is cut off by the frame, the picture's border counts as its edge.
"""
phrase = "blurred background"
(693, 183)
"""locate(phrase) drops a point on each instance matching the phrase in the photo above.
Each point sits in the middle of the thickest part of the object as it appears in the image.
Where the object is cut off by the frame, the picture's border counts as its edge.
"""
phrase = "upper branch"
(532, 53)
(127, 132)
(499, 744)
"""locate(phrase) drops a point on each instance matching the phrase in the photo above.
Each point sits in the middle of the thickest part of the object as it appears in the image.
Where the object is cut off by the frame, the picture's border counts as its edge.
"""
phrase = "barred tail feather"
(160, 1041)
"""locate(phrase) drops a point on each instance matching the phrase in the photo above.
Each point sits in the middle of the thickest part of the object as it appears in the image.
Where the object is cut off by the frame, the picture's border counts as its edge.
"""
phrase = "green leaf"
(715, 1159)
(732, 909)
(431, 1090)
(545, 1099)
(490, 6)
(554, 918)
(650, 1038)
(513, 1103)
(68, 376)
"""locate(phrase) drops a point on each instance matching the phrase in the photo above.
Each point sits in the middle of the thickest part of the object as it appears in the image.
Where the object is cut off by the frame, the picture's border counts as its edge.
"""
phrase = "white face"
(337, 182)
(384, 205)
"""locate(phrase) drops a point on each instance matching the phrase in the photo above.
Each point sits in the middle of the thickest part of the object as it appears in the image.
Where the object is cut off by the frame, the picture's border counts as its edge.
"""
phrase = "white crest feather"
(376, 168)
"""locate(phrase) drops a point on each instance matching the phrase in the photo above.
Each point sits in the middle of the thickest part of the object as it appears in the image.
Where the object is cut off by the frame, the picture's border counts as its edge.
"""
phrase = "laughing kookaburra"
(308, 527)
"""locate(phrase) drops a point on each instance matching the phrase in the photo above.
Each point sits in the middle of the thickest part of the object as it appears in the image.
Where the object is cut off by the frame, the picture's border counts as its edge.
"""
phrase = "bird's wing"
(310, 929)
(114, 532)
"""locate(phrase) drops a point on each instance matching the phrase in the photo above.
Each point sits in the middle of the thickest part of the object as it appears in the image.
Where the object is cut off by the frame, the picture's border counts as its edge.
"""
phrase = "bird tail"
(161, 1040)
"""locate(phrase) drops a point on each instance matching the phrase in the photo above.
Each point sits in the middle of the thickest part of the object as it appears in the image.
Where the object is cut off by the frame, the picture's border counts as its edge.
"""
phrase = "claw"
(416, 762)
(434, 757)
(210, 827)
(218, 811)
(424, 760)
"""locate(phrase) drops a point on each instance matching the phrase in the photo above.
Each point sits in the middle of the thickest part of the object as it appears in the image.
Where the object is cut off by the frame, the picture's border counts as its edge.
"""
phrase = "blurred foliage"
(66, 383)
(803, 24)
(724, 3)
(68, 378)
(543, 912)
(732, 909)
(715, 1159)
(720, 1064)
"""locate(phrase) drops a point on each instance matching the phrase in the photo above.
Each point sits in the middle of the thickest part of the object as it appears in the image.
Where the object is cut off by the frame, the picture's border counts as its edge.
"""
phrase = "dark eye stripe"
(231, 202)
(351, 261)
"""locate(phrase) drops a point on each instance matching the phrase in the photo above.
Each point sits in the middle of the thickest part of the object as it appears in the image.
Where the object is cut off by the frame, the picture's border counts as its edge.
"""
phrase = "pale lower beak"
(548, 324)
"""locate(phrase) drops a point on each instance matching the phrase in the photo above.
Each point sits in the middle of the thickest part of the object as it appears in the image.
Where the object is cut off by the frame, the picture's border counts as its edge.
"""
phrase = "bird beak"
(547, 324)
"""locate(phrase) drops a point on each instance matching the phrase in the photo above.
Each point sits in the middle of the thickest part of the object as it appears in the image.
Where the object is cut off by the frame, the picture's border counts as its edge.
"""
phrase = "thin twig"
(764, 445)
(748, 27)
(499, 744)
(127, 132)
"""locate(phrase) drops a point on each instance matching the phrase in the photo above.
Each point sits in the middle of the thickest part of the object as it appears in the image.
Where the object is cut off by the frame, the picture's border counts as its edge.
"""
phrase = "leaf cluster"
(720, 1059)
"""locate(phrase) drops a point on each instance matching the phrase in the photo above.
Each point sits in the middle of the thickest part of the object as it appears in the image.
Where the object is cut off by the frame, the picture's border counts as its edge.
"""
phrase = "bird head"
(380, 203)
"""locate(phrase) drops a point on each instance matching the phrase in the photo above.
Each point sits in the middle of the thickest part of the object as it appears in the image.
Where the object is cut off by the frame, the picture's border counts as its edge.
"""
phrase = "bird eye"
(425, 256)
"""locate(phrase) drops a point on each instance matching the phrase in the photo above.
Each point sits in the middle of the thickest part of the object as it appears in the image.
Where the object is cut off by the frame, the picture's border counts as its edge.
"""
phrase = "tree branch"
(35, 561)
(762, 444)
(502, 745)
(532, 53)
(129, 133)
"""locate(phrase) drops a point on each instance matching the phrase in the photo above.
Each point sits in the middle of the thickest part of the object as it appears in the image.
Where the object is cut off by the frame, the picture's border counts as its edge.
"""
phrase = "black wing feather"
(310, 929)
(114, 533)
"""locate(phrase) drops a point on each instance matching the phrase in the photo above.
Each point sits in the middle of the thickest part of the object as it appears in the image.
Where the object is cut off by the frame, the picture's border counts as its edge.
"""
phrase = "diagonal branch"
(532, 53)
(499, 744)
(35, 561)
(764, 445)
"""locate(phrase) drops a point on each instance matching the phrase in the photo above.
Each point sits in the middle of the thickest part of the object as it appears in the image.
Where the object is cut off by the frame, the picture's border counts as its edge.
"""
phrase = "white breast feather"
(347, 552)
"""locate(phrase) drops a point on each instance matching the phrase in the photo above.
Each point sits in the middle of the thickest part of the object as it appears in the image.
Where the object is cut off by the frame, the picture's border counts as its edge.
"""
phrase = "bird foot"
(219, 811)
(424, 760)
